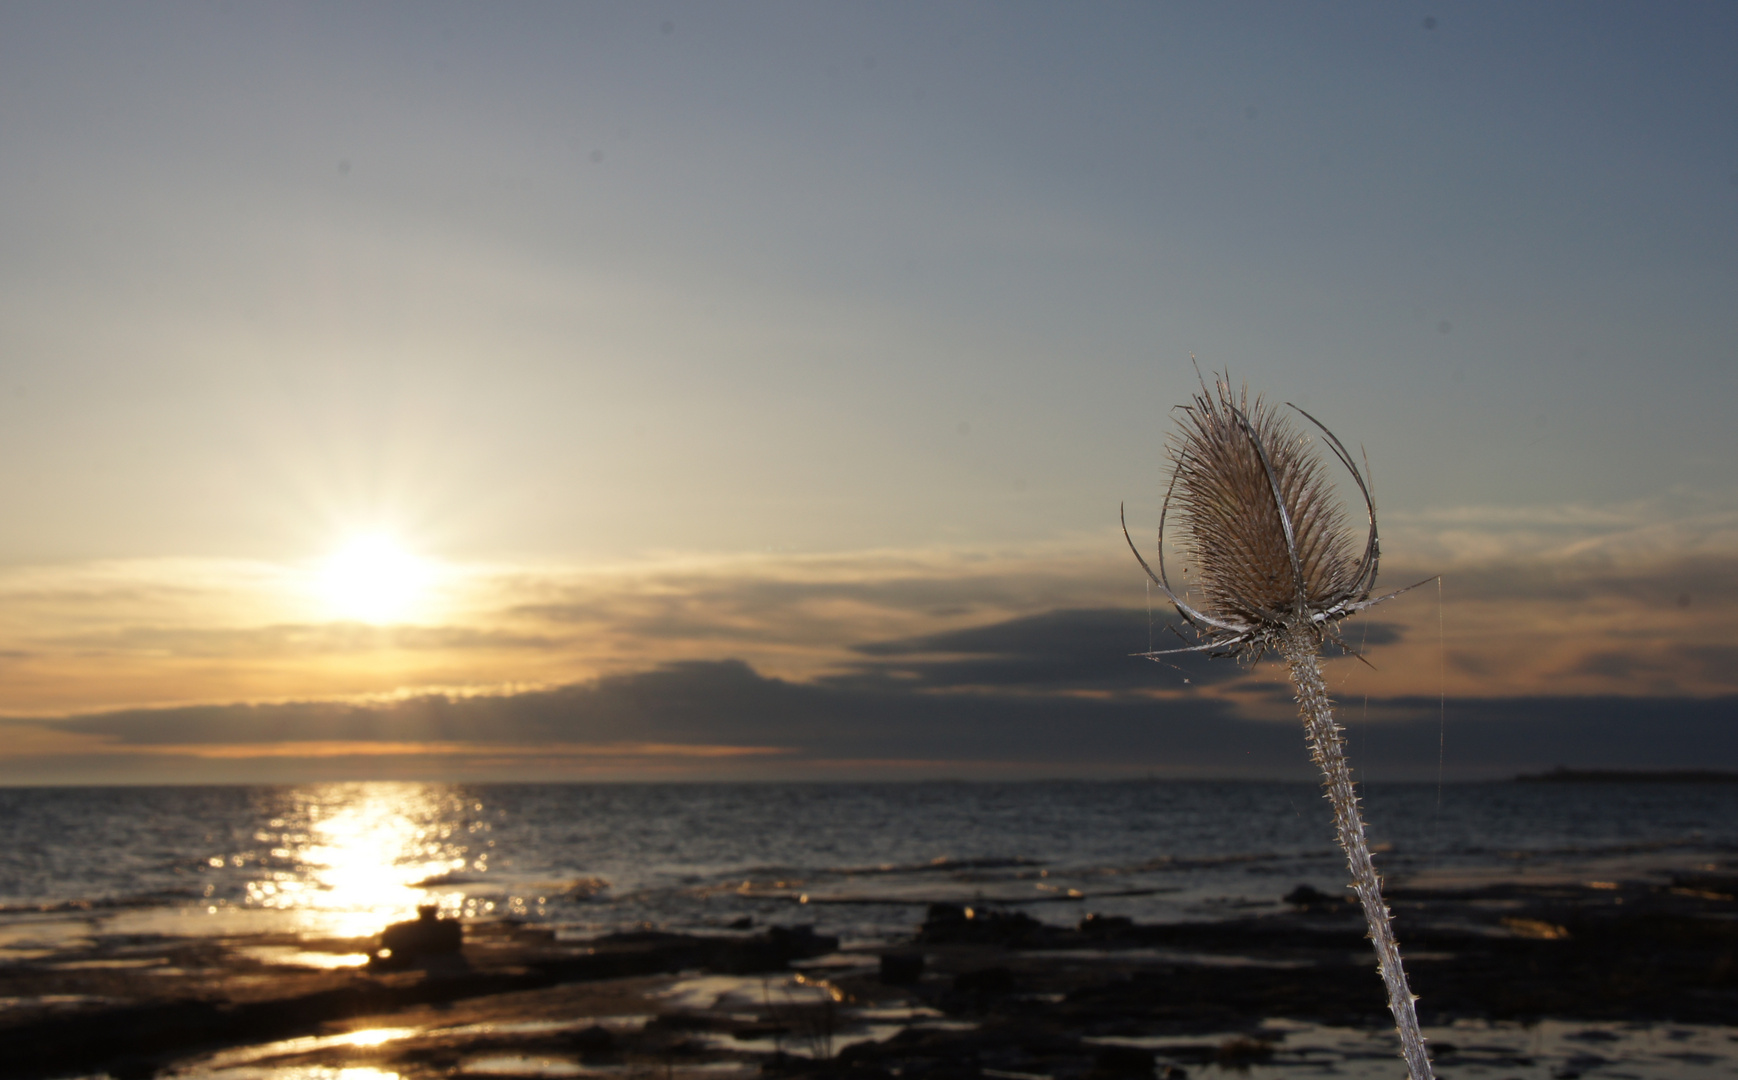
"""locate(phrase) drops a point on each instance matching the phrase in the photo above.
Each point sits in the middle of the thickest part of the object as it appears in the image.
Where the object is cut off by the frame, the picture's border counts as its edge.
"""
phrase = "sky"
(696, 391)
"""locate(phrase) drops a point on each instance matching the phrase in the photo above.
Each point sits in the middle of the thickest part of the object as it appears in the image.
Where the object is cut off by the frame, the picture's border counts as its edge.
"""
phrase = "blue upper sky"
(568, 278)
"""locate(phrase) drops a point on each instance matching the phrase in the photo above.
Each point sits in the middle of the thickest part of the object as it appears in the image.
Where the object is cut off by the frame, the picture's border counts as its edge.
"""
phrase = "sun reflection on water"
(347, 859)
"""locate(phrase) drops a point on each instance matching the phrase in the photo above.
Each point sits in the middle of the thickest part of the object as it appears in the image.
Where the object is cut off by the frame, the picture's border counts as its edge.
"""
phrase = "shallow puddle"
(522, 1065)
(739, 993)
(291, 956)
(800, 1042)
(1548, 1050)
(27, 939)
(51, 1001)
(892, 1013)
(545, 1027)
(242, 1062)
(115, 964)
(296, 1072)
(838, 961)
(1174, 956)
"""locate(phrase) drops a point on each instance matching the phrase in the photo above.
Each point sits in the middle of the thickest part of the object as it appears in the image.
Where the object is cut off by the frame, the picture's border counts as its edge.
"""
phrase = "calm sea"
(859, 860)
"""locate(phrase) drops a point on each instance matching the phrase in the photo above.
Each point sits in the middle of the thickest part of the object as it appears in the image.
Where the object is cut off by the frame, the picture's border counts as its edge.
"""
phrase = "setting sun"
(373, 579)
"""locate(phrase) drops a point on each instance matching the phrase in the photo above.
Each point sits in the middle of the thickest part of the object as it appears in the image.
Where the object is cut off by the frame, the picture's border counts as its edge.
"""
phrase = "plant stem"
(1329, 751)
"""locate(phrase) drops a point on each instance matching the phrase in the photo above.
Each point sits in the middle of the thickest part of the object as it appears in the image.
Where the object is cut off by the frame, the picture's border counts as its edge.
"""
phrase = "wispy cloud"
(308, 640)
(1675, 524)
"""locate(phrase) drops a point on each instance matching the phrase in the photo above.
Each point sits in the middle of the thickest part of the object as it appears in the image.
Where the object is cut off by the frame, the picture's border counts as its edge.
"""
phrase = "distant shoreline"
(1562, 775)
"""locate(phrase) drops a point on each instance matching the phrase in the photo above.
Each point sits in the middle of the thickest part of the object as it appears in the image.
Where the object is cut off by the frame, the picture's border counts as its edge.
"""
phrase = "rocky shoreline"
(974, 993)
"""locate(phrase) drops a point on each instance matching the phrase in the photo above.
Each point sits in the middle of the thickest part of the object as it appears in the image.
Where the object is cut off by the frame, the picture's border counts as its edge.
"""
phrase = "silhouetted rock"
(901, 968)
(769, 951)
(1122, 1062)
(1106, 925)
(954, 924)
(1310, 898)
(404, 944)
(986, 982)
(594, 1040)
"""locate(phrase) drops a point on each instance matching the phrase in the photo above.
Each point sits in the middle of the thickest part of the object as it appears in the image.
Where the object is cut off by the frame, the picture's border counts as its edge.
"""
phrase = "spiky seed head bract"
(1232, 528)
(1261, 527)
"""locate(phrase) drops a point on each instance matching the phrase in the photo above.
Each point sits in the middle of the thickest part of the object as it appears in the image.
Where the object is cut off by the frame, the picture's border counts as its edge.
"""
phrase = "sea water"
(859, 860)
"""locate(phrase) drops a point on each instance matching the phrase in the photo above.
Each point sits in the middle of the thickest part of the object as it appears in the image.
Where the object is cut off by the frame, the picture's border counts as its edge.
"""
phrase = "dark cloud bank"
(1056, 694)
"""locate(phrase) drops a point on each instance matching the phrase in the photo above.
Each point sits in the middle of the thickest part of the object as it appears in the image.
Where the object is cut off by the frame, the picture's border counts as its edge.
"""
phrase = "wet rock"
(594, 1041)
(1106, 925)
(1004, 1048)
(1241, 1052)
(679, 1021)
(1122, 1062)
(1709, 885)
(955, 924)
(405, 944)
(1310, 898)
(761, 1030)
(901, 968)
(770, 951)
(986, 982)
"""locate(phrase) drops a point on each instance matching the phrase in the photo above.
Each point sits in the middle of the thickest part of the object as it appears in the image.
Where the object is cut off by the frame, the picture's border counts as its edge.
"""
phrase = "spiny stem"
(1329, 752)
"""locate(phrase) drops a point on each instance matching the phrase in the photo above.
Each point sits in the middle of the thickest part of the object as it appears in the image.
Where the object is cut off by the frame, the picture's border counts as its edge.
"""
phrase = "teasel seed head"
(1276, 567)
(1261, 527)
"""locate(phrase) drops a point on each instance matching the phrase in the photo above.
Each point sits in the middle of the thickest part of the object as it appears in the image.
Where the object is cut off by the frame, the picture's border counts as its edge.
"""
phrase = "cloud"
(837, 600)
(1674, 585)
(1665, 666)
(1090, 649)
(302, 640)
(722, 718)
(715, 704)
(1668, 526)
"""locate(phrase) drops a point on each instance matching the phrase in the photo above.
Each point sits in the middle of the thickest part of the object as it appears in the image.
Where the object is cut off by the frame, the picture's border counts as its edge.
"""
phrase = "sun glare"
(362, 851)
(372, 579)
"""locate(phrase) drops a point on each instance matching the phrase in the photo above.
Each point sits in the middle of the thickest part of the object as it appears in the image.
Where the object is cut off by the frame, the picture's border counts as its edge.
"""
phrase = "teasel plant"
(1275, 568)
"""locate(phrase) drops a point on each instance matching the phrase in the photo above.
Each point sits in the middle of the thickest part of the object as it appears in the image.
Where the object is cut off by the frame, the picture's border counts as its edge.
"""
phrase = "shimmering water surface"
(854, 859)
